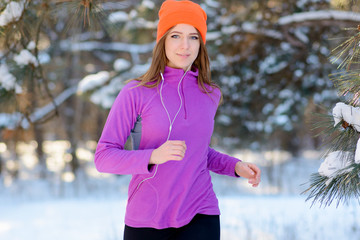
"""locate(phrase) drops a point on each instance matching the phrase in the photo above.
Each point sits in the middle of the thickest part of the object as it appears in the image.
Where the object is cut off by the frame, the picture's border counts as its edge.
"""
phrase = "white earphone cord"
(171, 122)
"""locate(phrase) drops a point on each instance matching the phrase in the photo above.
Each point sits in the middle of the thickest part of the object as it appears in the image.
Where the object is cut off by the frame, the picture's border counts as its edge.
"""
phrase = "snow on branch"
(10, 120)
(247, 27)
(252, 28)
(347, 113)
(40, 113)
(334, 164)
(320, 15)
(92, 81)
(7, 80)
(25, 57)
(12, 13)
(13, 120)
(115, 46)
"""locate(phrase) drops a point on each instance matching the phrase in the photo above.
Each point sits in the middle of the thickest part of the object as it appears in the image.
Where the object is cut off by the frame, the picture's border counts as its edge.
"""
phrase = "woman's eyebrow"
(195, 33)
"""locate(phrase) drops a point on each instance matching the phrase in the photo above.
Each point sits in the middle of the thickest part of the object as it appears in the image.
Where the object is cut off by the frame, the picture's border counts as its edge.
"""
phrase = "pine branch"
(348, 52)
(345, 183)
(85, 15)
(344, 140)
(344, 186)
(40, 68)
(341, 137)
(348, 85)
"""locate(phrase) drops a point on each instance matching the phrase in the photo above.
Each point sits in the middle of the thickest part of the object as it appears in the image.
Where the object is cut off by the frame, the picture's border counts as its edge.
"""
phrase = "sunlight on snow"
(56, 150)
(26, 152)
(84, 154)
(3, 147)
(4, 227)
(68, 177)
(57, 158)
(265, 158)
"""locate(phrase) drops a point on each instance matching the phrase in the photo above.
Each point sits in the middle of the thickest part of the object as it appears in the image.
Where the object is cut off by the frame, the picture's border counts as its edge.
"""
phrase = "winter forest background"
(63, 62)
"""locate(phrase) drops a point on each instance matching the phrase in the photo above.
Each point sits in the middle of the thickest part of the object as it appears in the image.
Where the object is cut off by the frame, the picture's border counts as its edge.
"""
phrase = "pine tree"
(338, 177)
(49, 48)
(36, 74)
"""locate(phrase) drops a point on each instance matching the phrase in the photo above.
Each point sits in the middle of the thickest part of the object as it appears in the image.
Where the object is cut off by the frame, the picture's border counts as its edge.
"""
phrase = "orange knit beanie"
(174, 12)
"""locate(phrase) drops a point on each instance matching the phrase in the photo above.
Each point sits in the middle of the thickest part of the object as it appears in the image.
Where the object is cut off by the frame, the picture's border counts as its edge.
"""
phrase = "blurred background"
(63, 62)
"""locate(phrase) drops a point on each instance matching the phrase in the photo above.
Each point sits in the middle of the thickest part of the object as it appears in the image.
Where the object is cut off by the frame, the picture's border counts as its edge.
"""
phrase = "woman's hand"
(249, 171)
(170, 150)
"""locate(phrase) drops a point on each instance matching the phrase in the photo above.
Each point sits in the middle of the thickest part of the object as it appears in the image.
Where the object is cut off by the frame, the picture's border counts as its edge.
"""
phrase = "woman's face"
(182, 46)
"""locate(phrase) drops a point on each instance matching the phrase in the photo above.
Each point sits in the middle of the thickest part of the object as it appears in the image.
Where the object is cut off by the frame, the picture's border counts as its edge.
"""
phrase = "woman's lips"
(184, 55)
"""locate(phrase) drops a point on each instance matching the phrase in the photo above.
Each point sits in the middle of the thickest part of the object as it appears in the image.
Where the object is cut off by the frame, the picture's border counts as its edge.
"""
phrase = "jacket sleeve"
(110, 156)
(221, 163)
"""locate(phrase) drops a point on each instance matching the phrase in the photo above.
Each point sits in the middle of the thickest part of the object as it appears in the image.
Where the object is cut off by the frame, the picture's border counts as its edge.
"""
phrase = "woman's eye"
(175, 36)
(194, 37)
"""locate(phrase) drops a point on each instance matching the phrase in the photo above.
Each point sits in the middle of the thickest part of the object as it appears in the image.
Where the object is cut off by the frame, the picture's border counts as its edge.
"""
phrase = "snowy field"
(93, 208)
(243, 217)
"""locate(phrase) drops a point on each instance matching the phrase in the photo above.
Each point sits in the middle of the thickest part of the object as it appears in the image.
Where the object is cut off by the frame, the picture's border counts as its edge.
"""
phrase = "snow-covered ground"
(243, 217)
(93, 207)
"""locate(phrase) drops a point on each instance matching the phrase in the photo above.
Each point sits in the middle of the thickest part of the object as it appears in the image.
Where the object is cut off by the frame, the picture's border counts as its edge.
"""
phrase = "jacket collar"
(175, 74)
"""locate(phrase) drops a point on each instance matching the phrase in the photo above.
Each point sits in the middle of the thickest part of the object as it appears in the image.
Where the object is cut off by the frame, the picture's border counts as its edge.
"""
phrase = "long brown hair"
(152, 77)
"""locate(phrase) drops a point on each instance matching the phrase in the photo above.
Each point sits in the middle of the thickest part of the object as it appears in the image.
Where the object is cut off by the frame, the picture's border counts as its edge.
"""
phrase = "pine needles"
(343, 184)
(84, 15)
(348, 52)
(348, 85)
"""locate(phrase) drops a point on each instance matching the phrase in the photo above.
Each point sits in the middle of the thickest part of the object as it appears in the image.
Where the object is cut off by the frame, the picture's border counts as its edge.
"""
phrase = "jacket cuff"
(233, 164)
(145, 165)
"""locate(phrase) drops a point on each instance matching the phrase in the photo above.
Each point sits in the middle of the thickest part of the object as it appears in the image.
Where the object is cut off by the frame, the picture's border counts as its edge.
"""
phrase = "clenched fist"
(170, 150)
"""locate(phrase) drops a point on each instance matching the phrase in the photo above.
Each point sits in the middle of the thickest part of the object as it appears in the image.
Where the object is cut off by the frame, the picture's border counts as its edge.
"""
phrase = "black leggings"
(201, 227)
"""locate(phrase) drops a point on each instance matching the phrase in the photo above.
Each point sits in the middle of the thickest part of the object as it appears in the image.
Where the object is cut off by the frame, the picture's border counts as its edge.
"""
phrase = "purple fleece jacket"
(180, 189)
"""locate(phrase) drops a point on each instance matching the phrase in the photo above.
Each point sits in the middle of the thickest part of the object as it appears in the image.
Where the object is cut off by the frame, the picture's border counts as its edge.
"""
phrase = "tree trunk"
(14, 173)
(73, 115)
(39, 138)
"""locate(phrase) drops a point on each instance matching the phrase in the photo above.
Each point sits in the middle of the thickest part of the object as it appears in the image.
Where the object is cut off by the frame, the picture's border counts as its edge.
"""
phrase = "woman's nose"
(185, 43)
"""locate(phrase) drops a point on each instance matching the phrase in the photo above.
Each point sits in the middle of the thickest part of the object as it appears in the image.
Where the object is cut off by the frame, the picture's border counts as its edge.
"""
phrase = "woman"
(169, 111)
